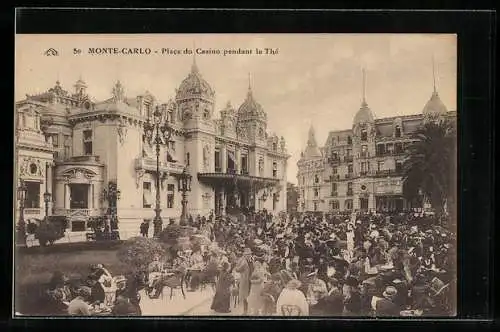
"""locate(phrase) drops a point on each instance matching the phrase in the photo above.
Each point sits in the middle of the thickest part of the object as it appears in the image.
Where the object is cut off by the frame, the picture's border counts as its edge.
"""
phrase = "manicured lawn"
(34, 270)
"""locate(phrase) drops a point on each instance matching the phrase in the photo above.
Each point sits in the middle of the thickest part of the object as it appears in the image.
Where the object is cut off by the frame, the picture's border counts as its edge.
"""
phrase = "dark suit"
(386, 308)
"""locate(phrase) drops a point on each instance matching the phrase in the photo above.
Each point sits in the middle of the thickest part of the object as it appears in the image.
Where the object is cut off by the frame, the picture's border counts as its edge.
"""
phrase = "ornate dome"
(251, 108)
(194, 86)
(312, 150)
(434, 105)
(364, 115)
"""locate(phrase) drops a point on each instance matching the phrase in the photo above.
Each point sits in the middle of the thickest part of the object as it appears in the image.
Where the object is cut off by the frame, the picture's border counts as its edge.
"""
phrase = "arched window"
(316, 179)
(349, 140)
(275, 146)
(275, 169)
(187, 159)
(397, 131)
(364, 135)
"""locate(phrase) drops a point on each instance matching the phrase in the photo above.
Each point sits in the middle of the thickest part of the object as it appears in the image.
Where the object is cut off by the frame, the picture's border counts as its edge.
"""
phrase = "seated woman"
(97, 294)
(155, 269)
(196, 265)
(59, 292)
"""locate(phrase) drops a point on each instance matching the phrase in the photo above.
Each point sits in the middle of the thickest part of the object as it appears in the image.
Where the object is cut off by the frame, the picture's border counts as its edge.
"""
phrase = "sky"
(313, 79)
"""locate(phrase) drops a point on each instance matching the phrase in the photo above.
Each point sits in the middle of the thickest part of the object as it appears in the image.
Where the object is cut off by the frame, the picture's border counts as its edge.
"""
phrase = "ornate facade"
(234, 162)
(361, 168)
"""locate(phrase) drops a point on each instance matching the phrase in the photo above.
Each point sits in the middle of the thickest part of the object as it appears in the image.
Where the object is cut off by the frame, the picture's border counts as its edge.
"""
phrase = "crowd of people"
(345, 264)
(354, 264)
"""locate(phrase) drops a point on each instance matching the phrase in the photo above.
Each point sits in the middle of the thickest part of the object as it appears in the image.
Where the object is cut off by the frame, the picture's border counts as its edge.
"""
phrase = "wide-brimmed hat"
(390, 291)
(293, 284)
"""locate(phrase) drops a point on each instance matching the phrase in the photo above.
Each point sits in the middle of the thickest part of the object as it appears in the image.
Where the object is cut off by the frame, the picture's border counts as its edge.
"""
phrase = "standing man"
(245, 268)
(144, 228)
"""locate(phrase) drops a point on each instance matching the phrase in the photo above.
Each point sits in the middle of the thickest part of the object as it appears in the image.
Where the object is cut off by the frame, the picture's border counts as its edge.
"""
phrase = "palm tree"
(430, 168)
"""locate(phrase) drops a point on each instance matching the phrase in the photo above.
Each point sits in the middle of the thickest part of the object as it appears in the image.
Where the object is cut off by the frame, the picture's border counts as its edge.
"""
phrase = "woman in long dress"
(255, 298)
(222, 299)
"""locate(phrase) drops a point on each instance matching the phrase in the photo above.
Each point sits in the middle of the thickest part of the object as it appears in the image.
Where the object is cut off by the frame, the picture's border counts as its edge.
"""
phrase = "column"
(92, 196)
(223, 202)
(371, 202)
(223, 153)
(238, 160)
(355, 203)
(67, 194)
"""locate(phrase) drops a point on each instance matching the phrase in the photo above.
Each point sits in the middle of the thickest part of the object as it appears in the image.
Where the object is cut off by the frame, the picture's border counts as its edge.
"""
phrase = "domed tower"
(312, 150)
(364, 133)
(58, 105)
(252, 119)
(364, 121)
(434, 109)
(195, 100)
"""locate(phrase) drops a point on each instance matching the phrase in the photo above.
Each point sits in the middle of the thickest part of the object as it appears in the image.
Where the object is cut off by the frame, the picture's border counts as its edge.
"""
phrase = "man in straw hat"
(386, 305)
(244, 267)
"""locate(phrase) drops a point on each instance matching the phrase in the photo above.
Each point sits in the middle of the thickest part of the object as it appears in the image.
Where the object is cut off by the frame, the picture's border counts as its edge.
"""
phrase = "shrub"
(138, 252)
(172, 233)
(48, 233)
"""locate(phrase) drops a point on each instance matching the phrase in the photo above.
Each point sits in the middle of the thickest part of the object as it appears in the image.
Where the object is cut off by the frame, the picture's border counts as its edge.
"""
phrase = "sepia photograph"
(254, 175)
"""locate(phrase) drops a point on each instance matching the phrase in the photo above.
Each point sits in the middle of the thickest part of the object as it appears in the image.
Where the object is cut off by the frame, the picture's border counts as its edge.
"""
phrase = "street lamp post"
(112, 195)
(158, 131)
(184, 186)
(47, 196)
(21, 196)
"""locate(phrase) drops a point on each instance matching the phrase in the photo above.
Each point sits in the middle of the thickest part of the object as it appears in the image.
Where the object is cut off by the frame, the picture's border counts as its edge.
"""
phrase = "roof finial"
(434, 75)
(249, 84)
(194, 67)
(364, 86)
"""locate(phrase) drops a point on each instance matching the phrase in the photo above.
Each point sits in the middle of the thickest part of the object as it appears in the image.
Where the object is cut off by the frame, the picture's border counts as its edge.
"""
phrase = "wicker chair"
(290, 310)
(175, 281)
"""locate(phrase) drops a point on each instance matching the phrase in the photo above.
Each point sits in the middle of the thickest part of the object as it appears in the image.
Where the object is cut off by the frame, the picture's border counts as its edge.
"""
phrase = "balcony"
(218, 169)
(363, 173)
(348, 159)
(87, 158)
(150, 165)
(364, 155)
(388, 172)
(334, 194)
(77, 212)
(32, 211)
(390, 153)
(349, 176)
(334, 160)
(349, 192)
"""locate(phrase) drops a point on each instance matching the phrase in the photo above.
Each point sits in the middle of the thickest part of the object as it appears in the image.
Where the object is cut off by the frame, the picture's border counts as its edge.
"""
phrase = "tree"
(138, 252)
(430, 168)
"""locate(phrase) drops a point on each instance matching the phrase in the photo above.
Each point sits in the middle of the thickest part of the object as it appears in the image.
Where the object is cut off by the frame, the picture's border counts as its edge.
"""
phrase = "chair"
(175, 281)
(291, 310)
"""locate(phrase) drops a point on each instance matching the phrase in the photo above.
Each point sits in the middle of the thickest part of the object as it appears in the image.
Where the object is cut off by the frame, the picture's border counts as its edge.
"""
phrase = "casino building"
(72, 147)
(361, 168)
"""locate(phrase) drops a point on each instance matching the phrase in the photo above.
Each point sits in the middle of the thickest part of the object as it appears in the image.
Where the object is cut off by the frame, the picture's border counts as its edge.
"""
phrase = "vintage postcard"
(235, 175)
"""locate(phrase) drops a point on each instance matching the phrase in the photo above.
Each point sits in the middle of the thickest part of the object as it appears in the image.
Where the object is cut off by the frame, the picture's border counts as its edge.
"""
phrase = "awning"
(242, 181)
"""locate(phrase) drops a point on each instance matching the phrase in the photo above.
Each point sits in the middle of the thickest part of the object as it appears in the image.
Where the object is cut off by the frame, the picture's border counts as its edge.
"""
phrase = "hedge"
(69, 247)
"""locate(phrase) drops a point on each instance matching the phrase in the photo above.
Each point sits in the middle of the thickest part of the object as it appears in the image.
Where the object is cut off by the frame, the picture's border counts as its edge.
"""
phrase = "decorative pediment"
(79, 174)
(31, 167)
